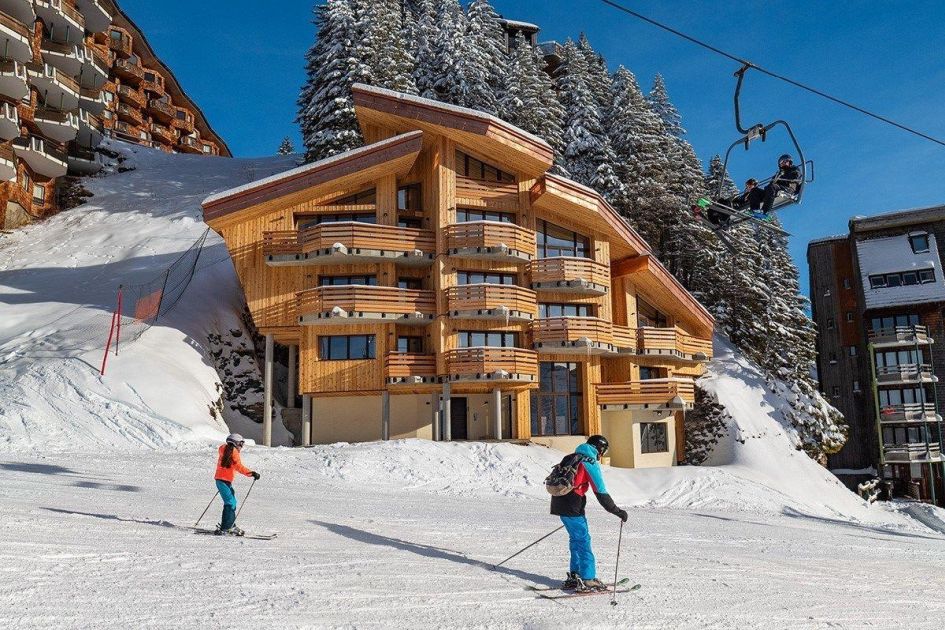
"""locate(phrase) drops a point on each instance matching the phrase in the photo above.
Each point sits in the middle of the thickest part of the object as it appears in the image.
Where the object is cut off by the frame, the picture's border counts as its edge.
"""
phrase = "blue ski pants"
(229, 504)
(579, 540)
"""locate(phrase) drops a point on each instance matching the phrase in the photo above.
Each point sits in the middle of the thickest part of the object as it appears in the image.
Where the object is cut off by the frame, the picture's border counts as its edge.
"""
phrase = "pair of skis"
(200, 530)
(556, 592)
(735, 217)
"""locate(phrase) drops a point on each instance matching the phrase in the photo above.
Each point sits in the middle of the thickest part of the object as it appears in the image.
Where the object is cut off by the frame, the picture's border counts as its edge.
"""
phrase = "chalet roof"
(897, 218)
(398, 152)
(514, 148)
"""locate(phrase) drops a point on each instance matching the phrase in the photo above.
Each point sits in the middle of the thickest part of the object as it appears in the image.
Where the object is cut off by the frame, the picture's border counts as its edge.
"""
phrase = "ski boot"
(232, 531)
(571, 583)
(592, 585)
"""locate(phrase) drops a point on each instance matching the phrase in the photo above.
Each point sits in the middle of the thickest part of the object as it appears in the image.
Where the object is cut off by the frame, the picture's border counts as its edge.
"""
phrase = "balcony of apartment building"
(490, 240)
(16, 39)
(672, 344)
(20, 10)
(83, 160)
(208, 147)
(488, 301)
(908, 335)
(43, 156)
(65, 57)
(94, 71)
(189, 144)
(56, 125)
(152, 83)
(92, 100)
(9, 121)
(91, 130)
(570, 274)
(97, 17)
(489, 364)
(131, 133)
(658, 393)
(56, 89)
(129, 71)
(345, 304)
(119, 42)
(63, 20)
(905, 374)
(349, 242)
(908, 413)
(409, 368)
(132, 96)
(14, 83)
(577, 335)
(911, 453)
(162, 133)
(162, 110)
(183, 120)
(7, 162)
(129, 114)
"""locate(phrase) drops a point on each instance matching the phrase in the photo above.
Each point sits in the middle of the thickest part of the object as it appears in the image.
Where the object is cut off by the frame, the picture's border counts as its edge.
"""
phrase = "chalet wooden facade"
(440, 283)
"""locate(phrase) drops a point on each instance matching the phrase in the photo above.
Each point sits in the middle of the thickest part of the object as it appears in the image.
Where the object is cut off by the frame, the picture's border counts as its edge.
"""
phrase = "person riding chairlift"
(788, 180)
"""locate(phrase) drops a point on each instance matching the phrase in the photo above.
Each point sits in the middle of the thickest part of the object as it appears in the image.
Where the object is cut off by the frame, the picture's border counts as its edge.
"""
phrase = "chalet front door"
(458, 412)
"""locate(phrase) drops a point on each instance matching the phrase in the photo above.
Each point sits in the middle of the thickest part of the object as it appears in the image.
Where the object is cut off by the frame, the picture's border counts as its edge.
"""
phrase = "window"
(564, 310)
(903, 396)
(25, 180)
(830, 323)
(833, 358)
(414, 223)
(335, 281)
(894, 436)
(108, 96)
(893, 280)
(107, 114)
(846, 283)
(556, 404)
(206, 148)
(827, 293)
(480, 339)
(836, 390)
(877, 282)
(653, 437)
(116, 35)
(181, 114)
(648, 316)
(909, 278)
(556, 241)
(346, 347)
(926, 276)
(410, 344)
(408, 198)
(365, 197)
(919, 243)
(889, 322)
(481, 277)
(464, 215)
(850, 316)
(903, 278)
(852, 351)
(895, 358)
(856, 387)
(149, 76)
(468, 166)
(409, 283)
(358, 217)
(39, 194)
(650, 373)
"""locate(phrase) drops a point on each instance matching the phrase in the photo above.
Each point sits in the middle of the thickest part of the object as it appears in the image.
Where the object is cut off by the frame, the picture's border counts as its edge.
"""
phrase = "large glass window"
(902, 278)
(484, 338)
(565, 310)
(556, 405)
(480, 277)
(902, 396)
(346, 347)
(905, 435)
(649, 373)
(892, 358)
(337, 217)
(468, 166)
(919, 243)
(465, 215)
(648, 316)
(653, 437)
(408, 198)
(365, 197)
(334, 281)
(409, 283)
(554, 241)
(410, 344)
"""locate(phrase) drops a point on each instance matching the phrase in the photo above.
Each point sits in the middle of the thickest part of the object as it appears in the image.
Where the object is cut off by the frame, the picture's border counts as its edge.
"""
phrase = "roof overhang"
(515, 149)
(342, 171)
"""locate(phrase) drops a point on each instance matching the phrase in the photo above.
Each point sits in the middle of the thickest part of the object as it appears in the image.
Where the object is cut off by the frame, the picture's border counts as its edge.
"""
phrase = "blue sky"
(243, 63)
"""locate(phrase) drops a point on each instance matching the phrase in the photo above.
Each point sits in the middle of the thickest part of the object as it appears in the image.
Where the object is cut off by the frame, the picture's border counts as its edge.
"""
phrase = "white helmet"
(235, 439)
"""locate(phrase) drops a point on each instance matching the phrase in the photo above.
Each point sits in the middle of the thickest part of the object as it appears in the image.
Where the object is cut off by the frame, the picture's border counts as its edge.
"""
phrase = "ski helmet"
(600, 443)
(785, 157)
(235, 439)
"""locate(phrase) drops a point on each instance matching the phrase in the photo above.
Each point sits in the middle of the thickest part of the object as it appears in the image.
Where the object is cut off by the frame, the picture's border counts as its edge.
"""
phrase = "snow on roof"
(525, 26)
(898, 217)
(827, 239)
(894, 254)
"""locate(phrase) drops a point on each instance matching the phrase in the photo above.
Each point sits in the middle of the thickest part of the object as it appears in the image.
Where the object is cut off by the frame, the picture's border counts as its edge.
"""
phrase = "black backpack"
(561, 480)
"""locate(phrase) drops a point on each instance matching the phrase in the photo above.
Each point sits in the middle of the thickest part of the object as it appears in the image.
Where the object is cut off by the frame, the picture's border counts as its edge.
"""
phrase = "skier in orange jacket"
(228, 463)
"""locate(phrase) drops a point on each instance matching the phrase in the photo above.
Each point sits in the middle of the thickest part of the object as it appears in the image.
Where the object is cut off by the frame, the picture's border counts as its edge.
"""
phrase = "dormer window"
(919, 243)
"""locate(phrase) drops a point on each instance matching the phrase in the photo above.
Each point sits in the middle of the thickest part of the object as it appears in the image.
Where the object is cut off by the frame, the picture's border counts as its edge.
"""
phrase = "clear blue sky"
(243, 63)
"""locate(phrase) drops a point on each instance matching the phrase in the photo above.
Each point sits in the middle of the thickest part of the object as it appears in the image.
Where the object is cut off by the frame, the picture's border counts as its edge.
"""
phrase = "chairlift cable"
(771, 73)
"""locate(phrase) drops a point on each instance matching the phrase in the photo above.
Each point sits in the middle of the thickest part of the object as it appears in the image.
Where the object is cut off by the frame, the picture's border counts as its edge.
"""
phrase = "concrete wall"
(622, 430)
(411, 416)
(346, 419)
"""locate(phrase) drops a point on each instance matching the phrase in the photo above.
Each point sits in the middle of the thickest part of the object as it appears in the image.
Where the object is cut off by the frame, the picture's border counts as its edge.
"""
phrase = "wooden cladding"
(490, 239)
(656, 392)
(492, 300)
(365, 302)
(409, 367)
(570, 329)
(672, 341)
(570, 274)
(492, 364)
(481, 193)
(320, 243)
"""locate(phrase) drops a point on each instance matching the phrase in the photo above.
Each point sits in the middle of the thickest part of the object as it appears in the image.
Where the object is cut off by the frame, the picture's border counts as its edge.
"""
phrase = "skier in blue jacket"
(570, 507)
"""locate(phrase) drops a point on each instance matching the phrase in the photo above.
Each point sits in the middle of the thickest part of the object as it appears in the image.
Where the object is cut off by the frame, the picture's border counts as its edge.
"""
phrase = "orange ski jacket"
(226, 474)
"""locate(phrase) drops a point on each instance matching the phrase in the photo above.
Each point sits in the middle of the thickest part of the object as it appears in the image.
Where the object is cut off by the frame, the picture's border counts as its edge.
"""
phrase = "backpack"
(561, 480)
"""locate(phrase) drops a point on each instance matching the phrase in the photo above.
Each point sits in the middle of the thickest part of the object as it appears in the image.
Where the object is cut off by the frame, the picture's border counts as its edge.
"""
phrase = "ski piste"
(739, 216)
(200, 530)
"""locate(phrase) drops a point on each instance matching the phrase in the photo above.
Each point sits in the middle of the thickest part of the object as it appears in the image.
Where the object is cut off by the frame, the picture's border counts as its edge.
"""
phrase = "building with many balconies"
(877, 296)
(441, 283)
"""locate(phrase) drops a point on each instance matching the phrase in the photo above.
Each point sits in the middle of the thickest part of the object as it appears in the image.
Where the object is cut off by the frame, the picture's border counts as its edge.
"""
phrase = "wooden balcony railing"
(70, 11)
(625, 338)
(492, 364)
(129, 68)
(557, 330)
(121, 45)
(184, 124)
(136, 97)
(6, 152)
(49, 46)
(908, 453)
(672, 342)
(356, 235)
(490, 239)
(281, 243)
(366, 302)
(164, 109)
(658, 392)
(909, 412)
(409, 367)
(155, 85)
(163, 133)
(492, 300)
(493, 194)
(899, 335)
(130, 113)
(15, 25)
(905, 373)
(10, 67)
(570, 274)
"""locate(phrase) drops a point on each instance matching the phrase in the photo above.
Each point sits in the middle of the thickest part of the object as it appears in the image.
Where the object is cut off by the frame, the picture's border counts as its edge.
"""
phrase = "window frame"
(920, 235)
(649, 443)
(326, 347)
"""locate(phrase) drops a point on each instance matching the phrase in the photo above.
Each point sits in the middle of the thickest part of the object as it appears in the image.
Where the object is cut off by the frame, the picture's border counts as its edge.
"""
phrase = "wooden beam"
(628, 266)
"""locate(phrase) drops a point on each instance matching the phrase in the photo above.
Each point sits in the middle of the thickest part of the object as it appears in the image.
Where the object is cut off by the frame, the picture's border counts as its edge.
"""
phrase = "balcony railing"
(659, 392)
(909, 412)
(489, 364)
(911, 453)
(131, 95)
(490, 240)
(348, 242)
(120, 45)
(186, 125)
(672, 343)
(899, 335)
(341, 304)
(189, 144)
(16, 26)
(160, 109)
(163, 133)
(126, 68)
(575, 275)
(492, 194)
(408, 368)
(905, 373)
(130, 113)
(155, 85)
(575, 335)
(492, 301)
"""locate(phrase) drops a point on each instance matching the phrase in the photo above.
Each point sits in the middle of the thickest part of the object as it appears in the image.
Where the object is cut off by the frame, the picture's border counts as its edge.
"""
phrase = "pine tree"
(485, 58)
(383, 47)
(425, 34)
(285, 147)
(717, 174)
(447, 73)
(599, 78)
(660, 103)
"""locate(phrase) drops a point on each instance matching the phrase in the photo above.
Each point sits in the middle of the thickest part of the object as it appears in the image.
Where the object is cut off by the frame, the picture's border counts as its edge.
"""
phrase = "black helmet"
(785, 157)
(600, 443)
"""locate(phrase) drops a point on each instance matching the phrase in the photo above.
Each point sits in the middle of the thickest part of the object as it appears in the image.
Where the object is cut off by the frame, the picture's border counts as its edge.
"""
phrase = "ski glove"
(255, 475)
(623, 515)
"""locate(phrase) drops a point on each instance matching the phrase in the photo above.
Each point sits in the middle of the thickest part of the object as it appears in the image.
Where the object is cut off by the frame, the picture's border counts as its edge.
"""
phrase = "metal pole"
(385, 415)
(267, 393)
(207, 508)
(244, 499)
(306, 419)
(613, 602)
(111, 331)
(496, 566)
(446, 416)
(118, 322)
(497, 412)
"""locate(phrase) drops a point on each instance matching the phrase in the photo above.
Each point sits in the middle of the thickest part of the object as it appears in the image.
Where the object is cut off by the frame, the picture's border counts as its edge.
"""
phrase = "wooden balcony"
(573, 335)
(13, 81)
(905, 373)
(43, 156)
(65, 57)
(909, 413)
(163, 134)
(350, 242)
(491, 240)
(91, 100)
(62, 18)
(572, 275)
(900, 336)
(184, 125)
(917, 453)
(669, 343)
(189, 144)
(359, 303)
(129, 114)
(407, 368)
(59, 90)
(153, 82)
(8, 164)
(133, 97)
(492, 365)
(129, 70)
(501, 302)
(655, 393)
(477, 192)
(121, 46)
(161, 111)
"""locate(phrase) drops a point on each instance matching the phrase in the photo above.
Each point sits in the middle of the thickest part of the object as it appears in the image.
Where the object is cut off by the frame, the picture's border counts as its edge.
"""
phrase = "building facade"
(877, 296)
(440, 283)
(62, 89)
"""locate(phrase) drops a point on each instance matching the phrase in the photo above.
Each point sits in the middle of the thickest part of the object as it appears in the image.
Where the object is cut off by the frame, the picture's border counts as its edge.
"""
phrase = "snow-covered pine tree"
(717, 174)
(383, 47)
(425, 34)
(448, 44)
(705, 425)
(325, 109)
(285, 147)
(661, 105)
(485, 58)
(599, 78)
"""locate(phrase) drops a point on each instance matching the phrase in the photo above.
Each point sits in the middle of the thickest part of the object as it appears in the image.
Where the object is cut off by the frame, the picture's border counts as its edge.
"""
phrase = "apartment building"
(439, 283)
(877, 296)
(61, 86)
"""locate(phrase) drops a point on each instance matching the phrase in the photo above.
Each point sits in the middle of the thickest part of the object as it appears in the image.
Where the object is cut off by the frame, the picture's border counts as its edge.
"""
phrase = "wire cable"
(772, 74)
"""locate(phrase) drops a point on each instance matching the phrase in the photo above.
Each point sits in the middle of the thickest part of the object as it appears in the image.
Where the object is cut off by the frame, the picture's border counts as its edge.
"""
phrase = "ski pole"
(613, 602)
(496, 566)
(244, 498)
(207, 508)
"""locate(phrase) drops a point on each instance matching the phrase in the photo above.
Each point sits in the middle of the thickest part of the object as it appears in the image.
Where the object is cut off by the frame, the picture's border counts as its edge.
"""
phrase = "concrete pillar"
(291, 386)
(385, 415)
(445, 416)
(267, 393)
(435, 411)
(497, 412)
(306, 419)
